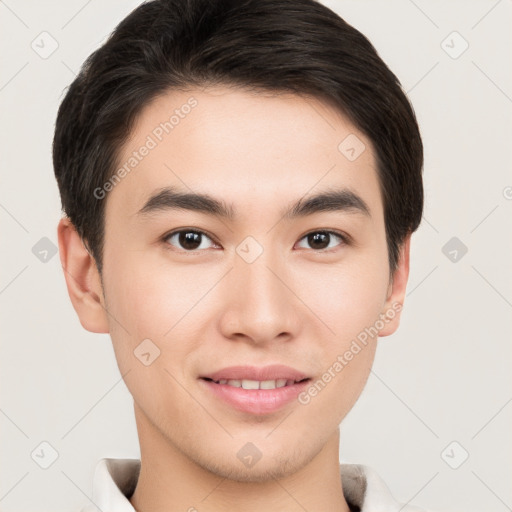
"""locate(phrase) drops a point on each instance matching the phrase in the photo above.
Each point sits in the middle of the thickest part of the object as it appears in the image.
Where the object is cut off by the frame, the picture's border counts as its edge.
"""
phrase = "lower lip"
(256, 401)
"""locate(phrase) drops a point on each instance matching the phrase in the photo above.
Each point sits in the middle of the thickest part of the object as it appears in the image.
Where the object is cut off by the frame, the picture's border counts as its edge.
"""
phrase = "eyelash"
(345, 239)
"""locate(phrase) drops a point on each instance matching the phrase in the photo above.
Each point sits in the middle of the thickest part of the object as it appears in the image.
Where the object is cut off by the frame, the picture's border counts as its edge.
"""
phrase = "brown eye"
(320, 240)
(188, 240)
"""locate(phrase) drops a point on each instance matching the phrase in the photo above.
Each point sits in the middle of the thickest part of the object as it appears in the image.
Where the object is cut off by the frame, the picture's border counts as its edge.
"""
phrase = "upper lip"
(272, 372)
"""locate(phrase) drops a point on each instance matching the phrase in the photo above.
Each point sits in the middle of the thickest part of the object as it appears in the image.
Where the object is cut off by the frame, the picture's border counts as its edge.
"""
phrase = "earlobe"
(82, 279)
(396, 291)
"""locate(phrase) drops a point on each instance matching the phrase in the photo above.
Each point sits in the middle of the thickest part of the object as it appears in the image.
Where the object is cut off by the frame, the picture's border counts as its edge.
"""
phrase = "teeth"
(272, 384)
(256, 384)
(250, 384)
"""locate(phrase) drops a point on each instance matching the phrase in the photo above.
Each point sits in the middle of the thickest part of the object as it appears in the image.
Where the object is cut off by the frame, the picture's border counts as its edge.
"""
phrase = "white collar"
(115, 479)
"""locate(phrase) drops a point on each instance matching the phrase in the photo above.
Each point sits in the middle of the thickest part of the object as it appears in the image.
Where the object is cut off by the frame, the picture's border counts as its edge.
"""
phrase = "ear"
(82, 279)
(396, 291)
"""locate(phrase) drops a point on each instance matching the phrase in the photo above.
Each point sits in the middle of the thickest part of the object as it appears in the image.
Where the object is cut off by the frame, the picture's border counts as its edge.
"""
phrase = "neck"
(170, 481)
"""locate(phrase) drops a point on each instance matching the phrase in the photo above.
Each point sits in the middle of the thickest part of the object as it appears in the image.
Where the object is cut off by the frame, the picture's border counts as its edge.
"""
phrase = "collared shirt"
(115, 480)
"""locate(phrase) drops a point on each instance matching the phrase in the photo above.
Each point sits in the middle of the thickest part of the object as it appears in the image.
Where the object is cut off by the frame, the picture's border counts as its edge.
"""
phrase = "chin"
(267, 468)
(257, 474)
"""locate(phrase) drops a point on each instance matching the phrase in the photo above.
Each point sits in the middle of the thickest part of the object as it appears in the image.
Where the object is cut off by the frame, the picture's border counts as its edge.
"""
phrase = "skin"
(207, 309)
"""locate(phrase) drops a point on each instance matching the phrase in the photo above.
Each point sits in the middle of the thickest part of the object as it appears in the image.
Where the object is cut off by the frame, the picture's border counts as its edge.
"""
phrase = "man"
(240, 182)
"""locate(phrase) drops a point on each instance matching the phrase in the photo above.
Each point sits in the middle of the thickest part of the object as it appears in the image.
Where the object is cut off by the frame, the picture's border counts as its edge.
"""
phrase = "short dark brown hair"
(297, 46)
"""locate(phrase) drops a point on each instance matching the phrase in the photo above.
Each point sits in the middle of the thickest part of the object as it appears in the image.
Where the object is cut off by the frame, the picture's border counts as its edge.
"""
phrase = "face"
(249, 280)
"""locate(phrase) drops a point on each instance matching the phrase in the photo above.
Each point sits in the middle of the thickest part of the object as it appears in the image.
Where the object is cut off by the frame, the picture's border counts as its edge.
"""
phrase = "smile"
(254, 401)
(256, 384)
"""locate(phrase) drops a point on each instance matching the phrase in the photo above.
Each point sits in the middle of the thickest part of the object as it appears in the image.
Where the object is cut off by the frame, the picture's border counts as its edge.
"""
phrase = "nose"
(259, 304)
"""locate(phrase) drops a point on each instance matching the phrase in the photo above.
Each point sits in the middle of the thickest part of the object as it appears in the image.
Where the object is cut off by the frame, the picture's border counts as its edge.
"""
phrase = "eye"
(188, 240)
(322, 239)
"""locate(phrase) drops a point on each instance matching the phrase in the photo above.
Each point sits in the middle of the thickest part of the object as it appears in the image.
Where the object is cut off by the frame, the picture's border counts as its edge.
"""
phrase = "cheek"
(150, 298)
(348, 302)
(347, 296)
(148, 310)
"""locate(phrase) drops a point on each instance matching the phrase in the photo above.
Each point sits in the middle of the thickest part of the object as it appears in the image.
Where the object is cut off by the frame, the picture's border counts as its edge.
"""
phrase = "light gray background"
(444, 376)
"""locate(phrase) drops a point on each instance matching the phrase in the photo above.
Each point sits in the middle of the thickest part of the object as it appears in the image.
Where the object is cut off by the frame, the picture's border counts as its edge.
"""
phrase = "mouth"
(257, 384)
(256, 391)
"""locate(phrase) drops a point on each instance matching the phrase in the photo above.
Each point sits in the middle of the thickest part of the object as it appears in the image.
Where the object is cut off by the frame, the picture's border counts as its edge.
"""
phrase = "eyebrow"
(168, 198)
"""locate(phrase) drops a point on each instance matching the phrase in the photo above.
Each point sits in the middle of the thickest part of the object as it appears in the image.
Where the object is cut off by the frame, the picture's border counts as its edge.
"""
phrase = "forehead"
(249, 148)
